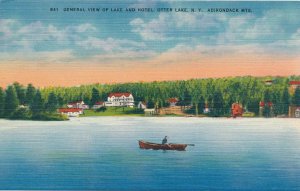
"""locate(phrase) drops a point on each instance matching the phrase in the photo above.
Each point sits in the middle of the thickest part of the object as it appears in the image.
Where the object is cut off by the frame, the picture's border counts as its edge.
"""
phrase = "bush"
(101, 109)
(49, 117)
(21, 113)
(135, 111)
(248, 114)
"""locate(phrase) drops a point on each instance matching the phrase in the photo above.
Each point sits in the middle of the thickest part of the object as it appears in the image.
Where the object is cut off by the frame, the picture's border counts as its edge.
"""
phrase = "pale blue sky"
(30, 26)
(123, 46)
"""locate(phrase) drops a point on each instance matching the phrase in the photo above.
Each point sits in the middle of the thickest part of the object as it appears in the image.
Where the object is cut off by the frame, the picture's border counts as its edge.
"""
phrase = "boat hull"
(155, 146)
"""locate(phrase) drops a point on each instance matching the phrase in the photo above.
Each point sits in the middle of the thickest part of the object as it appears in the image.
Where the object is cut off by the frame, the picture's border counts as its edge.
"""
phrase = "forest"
(28, 102)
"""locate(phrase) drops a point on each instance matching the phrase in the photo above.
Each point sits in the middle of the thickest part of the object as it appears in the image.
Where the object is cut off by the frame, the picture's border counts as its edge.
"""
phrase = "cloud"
(169, 26)
(273, 25)
(6, 29)
(296, 35)
(124, 56)
(39, 57)
(37, 35)
(82, 41)
(273, 31)
(185, 54)
(205, 34)
(153, 30)
(109, 44)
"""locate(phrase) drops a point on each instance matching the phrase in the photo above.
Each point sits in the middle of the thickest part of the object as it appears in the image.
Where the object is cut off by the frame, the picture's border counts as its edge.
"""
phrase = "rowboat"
(155, 146)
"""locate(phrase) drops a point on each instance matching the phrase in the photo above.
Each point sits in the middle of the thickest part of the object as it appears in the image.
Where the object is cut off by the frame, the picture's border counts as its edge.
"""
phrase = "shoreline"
(142, 116)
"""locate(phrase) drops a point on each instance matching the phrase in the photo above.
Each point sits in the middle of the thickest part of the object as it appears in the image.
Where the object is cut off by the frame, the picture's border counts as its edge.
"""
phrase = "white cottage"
(142, 105)
(77, 104)
(71, 112)
(120, 99)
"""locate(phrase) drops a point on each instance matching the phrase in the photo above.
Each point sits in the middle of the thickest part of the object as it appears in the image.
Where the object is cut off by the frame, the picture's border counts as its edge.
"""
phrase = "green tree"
(20, 92)
(201, 104)
(37, 104)
(296, 97)
(267, 99)
(21, 113)
(30, 93)
(52, 103)
(11, 101)
(285, 101)
(2, 102)
(194, 89)
(217, 103)
(95, 96)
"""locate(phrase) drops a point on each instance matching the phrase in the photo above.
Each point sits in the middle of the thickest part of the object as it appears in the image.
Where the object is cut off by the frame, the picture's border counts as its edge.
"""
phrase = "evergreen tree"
(194, 89)
(52, 103)
(2, 102)
(285, 101)
(296, 97)
(201, 104)
(217, 104)
(20, 92)
(60, 101)
(30, 93)
(11, 101)
(253, 106)
(37, 104)
(95, 96)
(267, 98)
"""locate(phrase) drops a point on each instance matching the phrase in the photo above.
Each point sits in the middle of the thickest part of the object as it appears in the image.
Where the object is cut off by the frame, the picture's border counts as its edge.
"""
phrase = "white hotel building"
(119, 100)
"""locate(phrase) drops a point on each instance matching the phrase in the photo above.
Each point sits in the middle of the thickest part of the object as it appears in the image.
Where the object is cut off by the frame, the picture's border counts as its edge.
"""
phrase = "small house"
(150, 112)
(294, 84)
(77, 104)
(142, 105)
(98, 105)
(71, 112)
(268, 82)
(173, 102)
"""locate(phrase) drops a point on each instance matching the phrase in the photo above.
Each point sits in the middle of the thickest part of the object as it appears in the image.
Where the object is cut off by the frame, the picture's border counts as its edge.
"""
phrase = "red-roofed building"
(98, 104)
(77, 104)
(120, 99)
(269, 82)
(294, 84)
(118, 94)
(173, 101)
(71, 112)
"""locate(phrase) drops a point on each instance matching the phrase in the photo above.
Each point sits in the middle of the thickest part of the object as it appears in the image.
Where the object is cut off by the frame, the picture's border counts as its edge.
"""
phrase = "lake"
(103, 153)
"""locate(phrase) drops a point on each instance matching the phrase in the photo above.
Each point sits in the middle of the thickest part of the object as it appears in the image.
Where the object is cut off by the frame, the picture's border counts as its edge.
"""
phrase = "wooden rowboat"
(155, 146)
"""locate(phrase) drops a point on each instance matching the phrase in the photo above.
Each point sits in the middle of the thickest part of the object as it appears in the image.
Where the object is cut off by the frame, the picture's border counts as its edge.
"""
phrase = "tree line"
(19, 102)
(217, 93)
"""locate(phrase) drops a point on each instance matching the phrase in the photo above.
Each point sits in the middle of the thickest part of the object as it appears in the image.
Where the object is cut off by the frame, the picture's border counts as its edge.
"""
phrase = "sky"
(70, 48)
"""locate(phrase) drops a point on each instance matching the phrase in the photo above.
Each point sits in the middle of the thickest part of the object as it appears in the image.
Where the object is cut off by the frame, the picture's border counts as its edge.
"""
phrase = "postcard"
(149, 95)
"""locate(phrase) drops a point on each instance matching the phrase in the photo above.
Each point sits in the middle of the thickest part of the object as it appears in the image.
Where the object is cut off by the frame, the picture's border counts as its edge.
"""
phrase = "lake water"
(103, 153)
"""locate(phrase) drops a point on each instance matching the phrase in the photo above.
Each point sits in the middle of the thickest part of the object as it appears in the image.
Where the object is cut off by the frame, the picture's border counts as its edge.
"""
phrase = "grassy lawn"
(114, 111)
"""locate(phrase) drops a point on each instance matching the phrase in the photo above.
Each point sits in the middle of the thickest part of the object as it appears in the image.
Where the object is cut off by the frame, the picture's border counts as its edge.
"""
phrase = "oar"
(182, 144)
(190, 144)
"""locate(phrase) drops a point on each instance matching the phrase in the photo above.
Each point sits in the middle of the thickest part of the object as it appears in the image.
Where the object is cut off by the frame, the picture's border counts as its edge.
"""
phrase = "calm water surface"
(102, 153)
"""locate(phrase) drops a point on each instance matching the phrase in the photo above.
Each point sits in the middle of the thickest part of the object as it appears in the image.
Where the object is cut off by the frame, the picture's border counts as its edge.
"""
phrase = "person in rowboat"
(165, 140)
